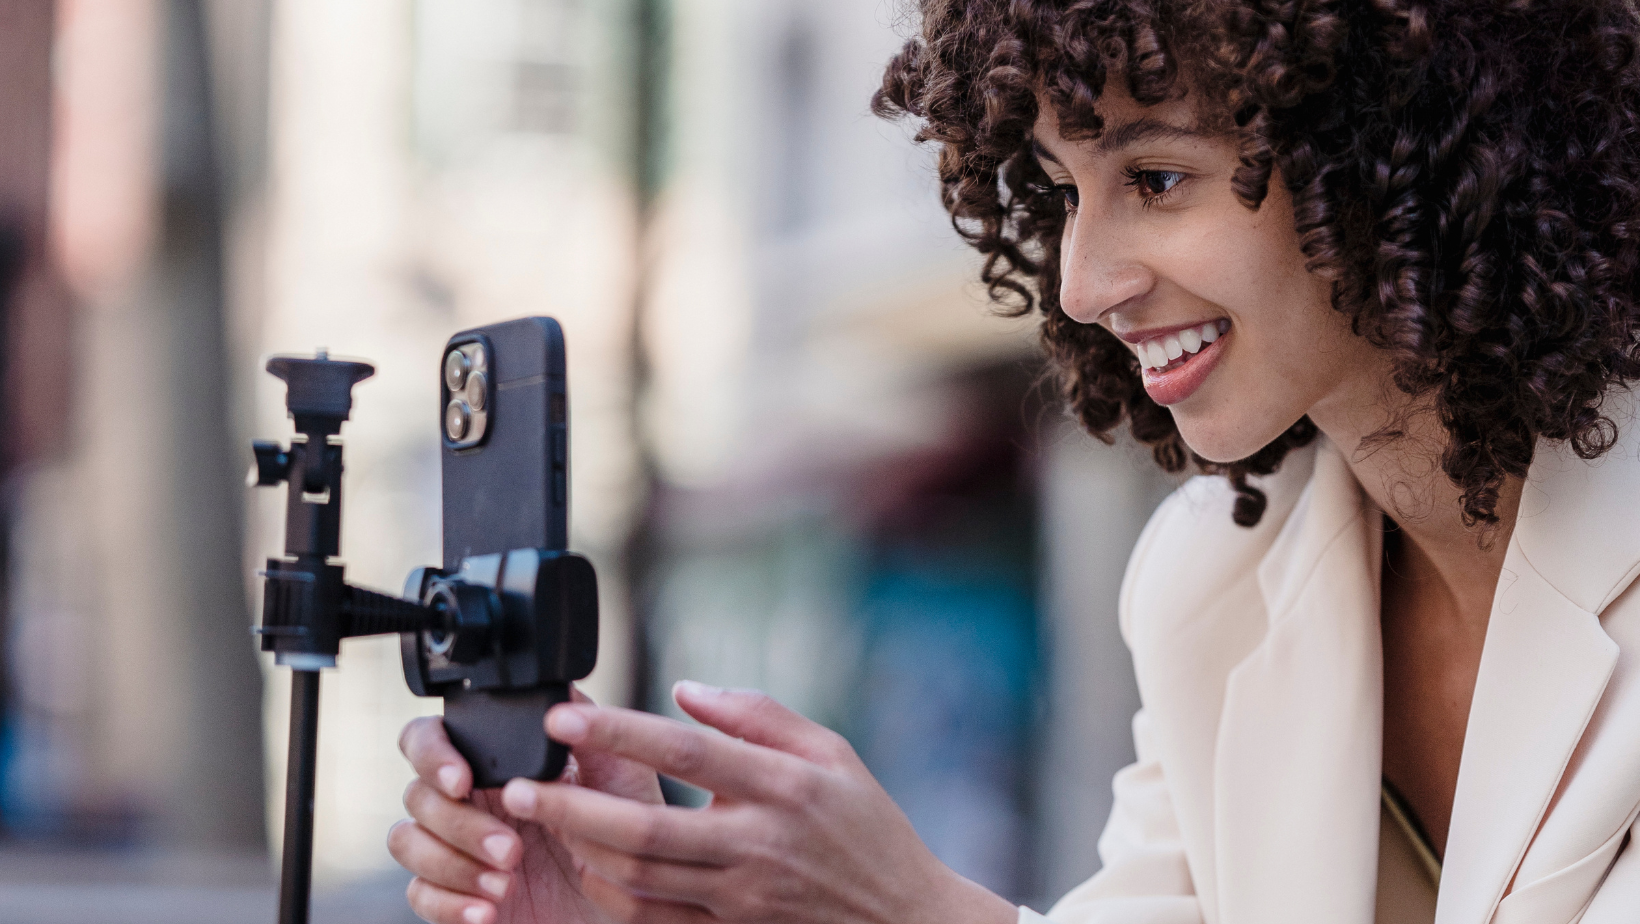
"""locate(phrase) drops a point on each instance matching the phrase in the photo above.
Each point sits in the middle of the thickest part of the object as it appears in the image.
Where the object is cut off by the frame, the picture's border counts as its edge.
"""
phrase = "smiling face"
(1235, 337)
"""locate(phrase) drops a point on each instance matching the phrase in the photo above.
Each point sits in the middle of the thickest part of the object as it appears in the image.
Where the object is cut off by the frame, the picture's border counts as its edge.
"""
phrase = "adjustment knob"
(272, 465)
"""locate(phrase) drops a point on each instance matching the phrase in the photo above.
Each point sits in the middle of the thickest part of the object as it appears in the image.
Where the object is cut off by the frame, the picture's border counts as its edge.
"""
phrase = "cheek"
(1249, 262)
(1289, 348)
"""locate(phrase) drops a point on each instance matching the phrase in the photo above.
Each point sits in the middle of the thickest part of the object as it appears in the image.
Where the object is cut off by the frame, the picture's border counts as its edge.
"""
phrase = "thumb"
(755, 716)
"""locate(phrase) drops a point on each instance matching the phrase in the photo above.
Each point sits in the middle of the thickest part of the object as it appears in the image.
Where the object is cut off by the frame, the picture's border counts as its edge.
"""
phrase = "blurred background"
(808, 457)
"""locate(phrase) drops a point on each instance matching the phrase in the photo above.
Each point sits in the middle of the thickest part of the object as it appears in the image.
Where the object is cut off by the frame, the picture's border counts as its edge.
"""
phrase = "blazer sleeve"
(1145, 879)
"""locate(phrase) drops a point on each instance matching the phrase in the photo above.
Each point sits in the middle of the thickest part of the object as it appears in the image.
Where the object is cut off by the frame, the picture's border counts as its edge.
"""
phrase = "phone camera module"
(466, 395)
(458, 419)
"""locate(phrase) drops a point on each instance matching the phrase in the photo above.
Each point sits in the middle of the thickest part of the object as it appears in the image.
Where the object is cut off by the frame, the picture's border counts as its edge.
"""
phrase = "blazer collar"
(1300, 728)
(1577, 526)
(1546, 662)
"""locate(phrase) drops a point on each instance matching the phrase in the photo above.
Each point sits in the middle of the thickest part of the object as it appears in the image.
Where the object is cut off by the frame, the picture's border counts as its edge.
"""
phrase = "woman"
(1370, 267)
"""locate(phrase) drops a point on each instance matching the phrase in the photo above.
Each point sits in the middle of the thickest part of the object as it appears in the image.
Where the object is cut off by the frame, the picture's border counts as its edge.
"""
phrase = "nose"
(1100, 267)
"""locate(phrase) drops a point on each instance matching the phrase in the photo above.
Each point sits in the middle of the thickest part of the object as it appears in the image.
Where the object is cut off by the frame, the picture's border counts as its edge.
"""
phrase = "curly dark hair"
(1465, 172)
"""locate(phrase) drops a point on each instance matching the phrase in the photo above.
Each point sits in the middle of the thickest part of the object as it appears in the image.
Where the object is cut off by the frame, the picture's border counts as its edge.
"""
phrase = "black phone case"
(511, 491)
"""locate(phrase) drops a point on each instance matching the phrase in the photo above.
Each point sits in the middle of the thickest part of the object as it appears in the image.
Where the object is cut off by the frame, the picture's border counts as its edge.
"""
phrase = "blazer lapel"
(1299, 735)
(1545, 666)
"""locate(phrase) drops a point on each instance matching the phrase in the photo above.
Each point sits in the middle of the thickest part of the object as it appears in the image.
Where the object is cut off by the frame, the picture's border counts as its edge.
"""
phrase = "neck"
(1403, 477)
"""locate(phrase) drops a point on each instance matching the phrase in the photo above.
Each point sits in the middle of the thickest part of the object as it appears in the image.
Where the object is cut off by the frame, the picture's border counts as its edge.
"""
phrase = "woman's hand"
(798, 831)
(473, 863)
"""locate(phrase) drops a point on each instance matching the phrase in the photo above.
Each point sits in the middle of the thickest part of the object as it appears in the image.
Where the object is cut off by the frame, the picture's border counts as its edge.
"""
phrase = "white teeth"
(1162, 351)
(1158, 356)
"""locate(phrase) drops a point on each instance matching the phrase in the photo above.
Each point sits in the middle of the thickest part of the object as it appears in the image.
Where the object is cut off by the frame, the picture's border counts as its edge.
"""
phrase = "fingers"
(435, 861)
(434, 758)
(612, 773)
(632, 909)
(694, 755)
(442, 906)
(657, 831)
(651, 878)
(758, 718)
(463, 826)
(617, 776)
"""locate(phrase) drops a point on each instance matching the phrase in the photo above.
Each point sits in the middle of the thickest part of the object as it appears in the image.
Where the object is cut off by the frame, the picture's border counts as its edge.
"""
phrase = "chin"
(1225, 441)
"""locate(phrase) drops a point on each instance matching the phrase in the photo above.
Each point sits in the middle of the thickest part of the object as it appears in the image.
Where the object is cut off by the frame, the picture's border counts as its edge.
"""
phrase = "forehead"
(1125, 123)
(1119, 111)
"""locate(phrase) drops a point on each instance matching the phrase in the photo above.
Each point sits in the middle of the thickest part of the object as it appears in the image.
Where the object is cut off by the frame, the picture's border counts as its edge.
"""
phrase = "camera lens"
(457, 418)
(455, 370)
(479, 360)
(478, 390)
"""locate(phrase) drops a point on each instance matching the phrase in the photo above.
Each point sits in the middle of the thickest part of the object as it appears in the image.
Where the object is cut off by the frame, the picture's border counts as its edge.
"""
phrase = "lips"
(1175, 363)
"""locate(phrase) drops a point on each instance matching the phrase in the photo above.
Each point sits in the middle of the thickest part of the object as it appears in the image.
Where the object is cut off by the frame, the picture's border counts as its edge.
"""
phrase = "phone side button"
(560, 449)
(559, 487)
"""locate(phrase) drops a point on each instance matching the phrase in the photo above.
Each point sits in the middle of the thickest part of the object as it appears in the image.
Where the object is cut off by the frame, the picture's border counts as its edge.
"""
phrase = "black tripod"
(307, 607)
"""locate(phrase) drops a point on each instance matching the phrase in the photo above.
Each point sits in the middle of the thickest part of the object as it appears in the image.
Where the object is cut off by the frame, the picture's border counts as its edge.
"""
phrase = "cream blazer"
(1255, 797)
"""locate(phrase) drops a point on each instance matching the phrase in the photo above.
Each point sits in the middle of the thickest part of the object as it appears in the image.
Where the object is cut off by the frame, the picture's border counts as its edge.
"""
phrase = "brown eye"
(1153, 184)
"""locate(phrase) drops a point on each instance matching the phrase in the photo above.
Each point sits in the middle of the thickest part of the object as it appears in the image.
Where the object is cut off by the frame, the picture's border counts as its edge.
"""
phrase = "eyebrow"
(1126, 135)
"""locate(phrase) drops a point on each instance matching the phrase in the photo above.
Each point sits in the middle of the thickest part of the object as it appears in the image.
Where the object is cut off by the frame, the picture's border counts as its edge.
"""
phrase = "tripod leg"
(296, 869)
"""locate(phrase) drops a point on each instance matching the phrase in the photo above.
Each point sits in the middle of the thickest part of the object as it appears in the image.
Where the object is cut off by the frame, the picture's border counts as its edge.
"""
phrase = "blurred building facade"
(136, 699)
(869, 503)
(819, 461)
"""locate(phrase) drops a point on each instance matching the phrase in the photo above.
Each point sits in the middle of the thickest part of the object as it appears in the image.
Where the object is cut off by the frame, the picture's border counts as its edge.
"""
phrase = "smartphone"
(504, 420)
(504, 413)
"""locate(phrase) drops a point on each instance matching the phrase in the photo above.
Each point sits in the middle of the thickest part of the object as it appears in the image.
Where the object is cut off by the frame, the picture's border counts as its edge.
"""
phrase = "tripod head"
(307, 606)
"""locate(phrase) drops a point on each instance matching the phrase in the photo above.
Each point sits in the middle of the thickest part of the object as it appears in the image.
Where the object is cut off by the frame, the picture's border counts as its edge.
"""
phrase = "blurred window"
(487, 69)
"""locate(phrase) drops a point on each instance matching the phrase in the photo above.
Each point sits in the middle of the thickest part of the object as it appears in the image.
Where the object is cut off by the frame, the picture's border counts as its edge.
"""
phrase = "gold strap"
(1399, 811)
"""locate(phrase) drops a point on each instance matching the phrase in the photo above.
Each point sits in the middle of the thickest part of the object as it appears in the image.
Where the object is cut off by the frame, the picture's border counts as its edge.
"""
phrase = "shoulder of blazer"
(1577, 525)
(1191, 550)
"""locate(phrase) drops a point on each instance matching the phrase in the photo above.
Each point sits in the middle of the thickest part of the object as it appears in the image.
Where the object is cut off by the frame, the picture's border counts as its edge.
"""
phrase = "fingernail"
(567, 724)
(519, 798)
(694, 688)
(475, 914)
(494, 883)
(498, 846)
(449, 777)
